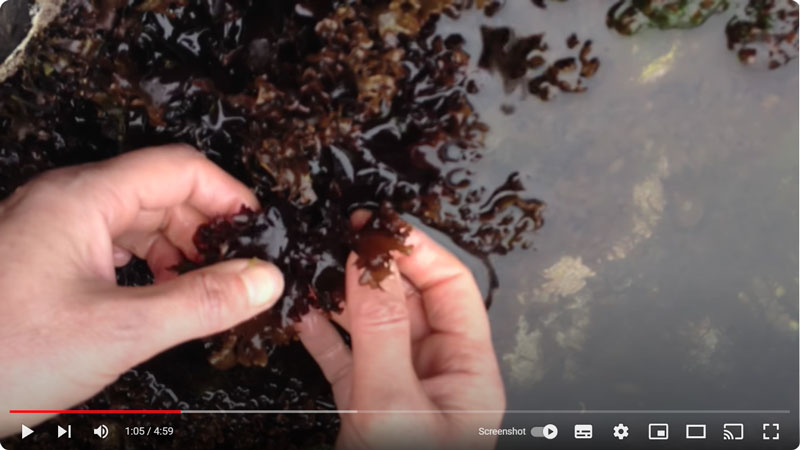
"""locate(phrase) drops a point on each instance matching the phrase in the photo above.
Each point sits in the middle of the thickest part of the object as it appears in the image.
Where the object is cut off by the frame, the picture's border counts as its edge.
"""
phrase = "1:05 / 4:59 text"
(147, 431)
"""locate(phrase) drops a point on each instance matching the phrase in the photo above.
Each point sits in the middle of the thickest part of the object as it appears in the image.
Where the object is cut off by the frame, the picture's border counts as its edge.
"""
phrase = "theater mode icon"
(695, 431)
(732, 432)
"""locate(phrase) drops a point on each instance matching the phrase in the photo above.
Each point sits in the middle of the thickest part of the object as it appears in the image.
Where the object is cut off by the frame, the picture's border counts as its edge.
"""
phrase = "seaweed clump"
(763, 34)
(320, 107)
(630, 16)
(767, 33)
(520, 58)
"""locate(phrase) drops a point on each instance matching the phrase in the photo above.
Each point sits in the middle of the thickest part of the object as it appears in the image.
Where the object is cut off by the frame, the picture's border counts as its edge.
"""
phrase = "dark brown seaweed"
(320, 107)
(766, 35)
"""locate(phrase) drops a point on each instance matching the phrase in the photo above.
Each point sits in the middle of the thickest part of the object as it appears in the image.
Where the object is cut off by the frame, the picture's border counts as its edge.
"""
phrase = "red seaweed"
(321, 107)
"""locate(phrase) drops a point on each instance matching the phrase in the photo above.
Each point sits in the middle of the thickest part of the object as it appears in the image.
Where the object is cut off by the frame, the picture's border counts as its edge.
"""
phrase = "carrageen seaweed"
(321, 107)
(525, 58)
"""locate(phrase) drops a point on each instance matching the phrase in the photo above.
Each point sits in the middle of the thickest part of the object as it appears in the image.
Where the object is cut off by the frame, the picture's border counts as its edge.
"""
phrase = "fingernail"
(264, 282)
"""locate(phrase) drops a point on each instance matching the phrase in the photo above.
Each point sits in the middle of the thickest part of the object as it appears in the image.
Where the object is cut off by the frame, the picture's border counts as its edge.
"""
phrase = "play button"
(548, 431)
(26, 432)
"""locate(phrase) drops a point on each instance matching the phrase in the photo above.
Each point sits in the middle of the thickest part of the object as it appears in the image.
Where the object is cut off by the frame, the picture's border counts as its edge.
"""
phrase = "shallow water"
(665, 276)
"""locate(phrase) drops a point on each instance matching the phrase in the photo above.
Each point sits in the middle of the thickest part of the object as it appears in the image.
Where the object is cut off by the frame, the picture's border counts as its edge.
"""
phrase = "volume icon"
(101, 431)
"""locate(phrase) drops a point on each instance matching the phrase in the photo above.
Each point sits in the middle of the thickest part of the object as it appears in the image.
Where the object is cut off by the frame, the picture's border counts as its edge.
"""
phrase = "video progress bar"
(377, 411)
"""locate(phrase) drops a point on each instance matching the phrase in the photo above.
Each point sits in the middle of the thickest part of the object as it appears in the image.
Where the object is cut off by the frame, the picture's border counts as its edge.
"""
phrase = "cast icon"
(733, 432)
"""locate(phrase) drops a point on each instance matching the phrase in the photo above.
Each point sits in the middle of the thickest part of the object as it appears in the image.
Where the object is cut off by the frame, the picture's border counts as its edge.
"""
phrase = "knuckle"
(462, 359)
(47, 187)
(189, 155)
(339, 374)
(214, 295)
(383, 313)
(187, 149)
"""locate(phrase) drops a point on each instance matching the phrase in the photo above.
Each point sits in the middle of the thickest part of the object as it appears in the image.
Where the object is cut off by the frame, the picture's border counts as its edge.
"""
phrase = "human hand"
(68, 330)
(422, 372)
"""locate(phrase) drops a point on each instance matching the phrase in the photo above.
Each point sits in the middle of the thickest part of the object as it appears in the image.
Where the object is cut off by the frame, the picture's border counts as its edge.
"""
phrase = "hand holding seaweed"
(421, 342)
(68, 329)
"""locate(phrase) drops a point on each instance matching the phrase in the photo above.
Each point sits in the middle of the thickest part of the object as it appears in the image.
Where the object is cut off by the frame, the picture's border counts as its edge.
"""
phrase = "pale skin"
(421, 343)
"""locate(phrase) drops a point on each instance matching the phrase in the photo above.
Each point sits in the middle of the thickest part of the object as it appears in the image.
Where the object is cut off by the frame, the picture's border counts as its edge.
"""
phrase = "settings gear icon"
(620, 432)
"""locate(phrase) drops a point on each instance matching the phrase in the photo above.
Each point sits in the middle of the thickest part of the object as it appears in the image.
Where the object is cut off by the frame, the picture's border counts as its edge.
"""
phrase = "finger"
(177, 224)
(194, 305)
(416, 313)
(162, 257)
(330, 352)
(160, 178)
(419, 323)
(450, 295)
(380, 331)
(121, 256)
(359, 218)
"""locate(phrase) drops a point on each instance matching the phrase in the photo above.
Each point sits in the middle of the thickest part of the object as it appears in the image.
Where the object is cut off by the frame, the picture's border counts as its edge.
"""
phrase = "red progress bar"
(95, 411)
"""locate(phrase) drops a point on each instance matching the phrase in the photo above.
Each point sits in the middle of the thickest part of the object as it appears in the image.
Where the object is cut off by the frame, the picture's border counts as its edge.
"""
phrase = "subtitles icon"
(101, 431)
(732, 432)
(658, 431)
(583, 431)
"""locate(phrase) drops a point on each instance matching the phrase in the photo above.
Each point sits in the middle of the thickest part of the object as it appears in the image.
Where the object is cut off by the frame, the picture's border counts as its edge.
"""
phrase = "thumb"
(201, 302)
